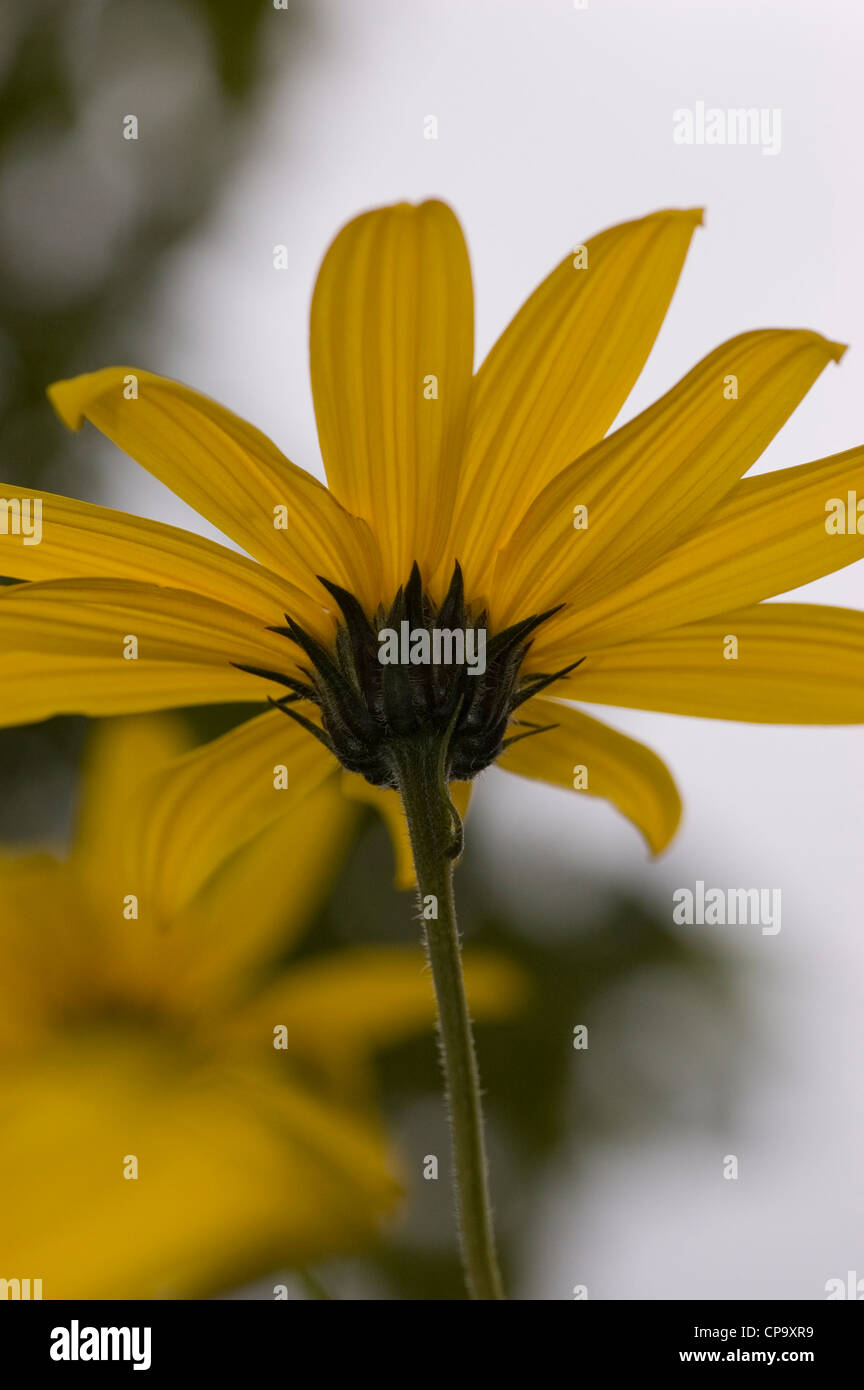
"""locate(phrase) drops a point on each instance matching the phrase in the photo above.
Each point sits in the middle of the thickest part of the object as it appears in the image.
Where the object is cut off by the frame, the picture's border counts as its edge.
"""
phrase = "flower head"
(605, 567)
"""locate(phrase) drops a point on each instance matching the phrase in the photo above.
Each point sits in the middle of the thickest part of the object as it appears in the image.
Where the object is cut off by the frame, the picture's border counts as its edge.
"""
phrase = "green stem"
(435, 831)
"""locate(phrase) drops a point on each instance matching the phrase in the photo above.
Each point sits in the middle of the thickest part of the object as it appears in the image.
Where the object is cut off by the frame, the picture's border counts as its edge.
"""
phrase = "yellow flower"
(617, 564)
(123, 1043)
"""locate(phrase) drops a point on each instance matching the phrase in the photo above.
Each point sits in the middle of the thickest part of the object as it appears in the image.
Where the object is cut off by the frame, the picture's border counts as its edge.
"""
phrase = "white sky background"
(554, 123)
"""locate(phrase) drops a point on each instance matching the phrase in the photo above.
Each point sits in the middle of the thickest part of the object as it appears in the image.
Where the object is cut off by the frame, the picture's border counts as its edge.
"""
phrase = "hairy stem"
(435, 831)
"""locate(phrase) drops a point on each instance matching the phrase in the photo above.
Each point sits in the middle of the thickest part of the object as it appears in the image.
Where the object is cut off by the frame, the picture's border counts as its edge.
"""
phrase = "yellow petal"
(392, 342)
(33, 687)
(616, 767)
(229, 472)
(388, 804)
(651, 484)
(255, 904)
(192, 814)
(63, 644)
(555, 380)
(774, 663)
(262, 900)
(81, 541)
(338, 1010)
(240, 1171)
(120, 754)
(767, 537)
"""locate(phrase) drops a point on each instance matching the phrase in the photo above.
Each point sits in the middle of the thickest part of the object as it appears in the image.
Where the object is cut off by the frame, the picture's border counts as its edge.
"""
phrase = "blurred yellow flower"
(176, 1114)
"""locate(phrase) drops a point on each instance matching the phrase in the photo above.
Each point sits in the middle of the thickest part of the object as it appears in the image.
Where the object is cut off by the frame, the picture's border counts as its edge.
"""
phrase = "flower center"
(419, 671)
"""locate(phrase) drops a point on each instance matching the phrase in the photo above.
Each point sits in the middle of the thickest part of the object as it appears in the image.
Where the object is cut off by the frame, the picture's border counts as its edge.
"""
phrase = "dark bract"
(367, 705)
